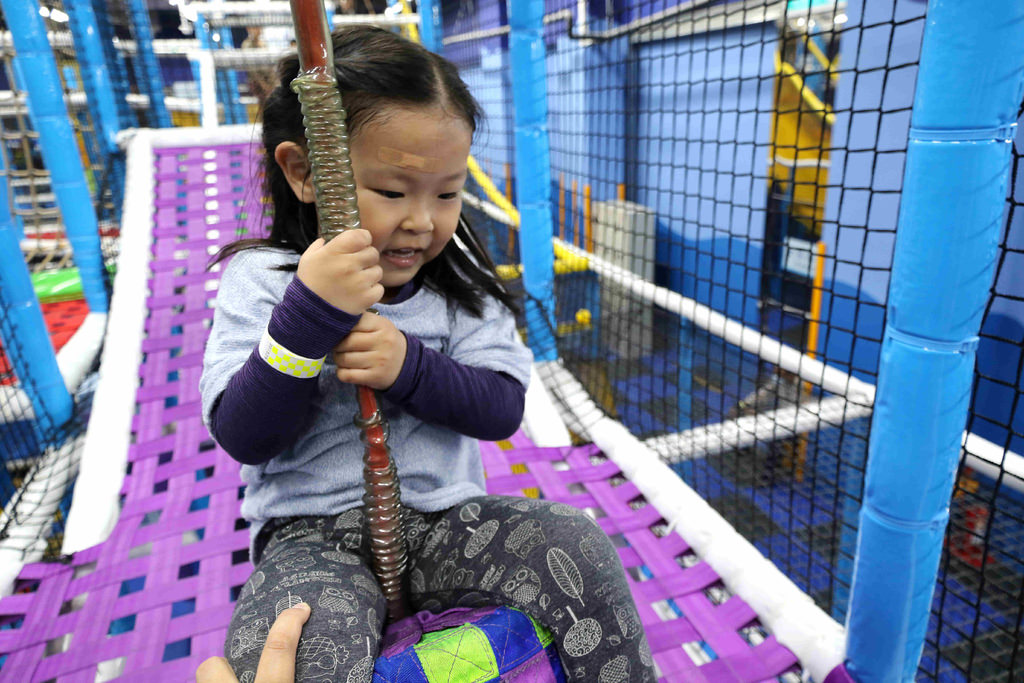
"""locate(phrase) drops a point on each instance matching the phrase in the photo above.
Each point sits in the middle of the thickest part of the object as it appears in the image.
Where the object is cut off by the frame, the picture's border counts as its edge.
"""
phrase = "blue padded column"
(99, 90)
(116, 64)
(49, 116)
(26, 341)
(970, 84)
(95, 79)
(147, 70)
(225, 80)
(430, 25)
(533, 172)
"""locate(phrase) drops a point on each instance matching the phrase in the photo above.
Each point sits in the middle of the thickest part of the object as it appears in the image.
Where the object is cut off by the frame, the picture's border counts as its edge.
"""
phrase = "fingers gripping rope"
(337, 211)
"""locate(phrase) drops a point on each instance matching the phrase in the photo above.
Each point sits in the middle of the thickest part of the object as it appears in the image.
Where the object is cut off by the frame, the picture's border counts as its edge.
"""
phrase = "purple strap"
(839, 675)
(410, 630)
(263, 411)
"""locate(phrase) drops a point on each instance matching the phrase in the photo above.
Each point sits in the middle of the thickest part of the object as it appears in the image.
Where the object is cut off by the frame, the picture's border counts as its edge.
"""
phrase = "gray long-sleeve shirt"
(321, 472)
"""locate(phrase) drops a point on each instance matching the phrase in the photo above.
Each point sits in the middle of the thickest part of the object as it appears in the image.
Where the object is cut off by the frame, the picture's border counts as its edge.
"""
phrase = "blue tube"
(202, 33)
(430, 25)
(57, 142)
(533, 179)
(147, 71)
(26, 341)
(95, 79)
(98, 89)
(227, 81)
(970, 83)
(115, 65)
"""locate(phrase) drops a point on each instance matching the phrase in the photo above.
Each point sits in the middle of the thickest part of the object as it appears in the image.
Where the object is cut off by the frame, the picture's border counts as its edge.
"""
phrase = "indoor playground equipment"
(770, 253)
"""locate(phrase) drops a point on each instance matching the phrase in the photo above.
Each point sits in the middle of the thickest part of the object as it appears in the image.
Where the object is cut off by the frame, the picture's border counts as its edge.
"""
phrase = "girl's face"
(409, 167)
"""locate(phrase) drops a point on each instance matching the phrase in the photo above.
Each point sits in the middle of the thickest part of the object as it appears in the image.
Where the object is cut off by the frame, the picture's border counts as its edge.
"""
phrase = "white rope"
(809, 369)
(742, 432)
(981, 454)
(789, 613)
(33, 508)
(95, 508)
(480, 34)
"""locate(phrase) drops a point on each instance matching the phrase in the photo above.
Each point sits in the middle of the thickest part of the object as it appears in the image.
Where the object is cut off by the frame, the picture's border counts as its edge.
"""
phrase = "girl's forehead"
(425, 140)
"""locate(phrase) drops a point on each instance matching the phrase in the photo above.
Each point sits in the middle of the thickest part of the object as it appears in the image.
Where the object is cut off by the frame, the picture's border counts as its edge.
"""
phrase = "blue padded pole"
(115, 65)
(147, 70)
(57, 142)
(430, 25)
(202, 33)
(26, 341)
(533, 179)
(95, 79)
(227, 81)
(99, 89)
(970, 83)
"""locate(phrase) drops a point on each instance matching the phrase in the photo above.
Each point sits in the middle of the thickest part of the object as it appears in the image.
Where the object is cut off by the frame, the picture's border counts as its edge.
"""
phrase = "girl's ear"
(292, 160)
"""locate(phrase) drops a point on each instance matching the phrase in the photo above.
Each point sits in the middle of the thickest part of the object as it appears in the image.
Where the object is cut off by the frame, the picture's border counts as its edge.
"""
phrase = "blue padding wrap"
(58, 145)
(938, 251)
(98, 89)
(969, 88)
(971, 65)
(533, 176)
(25, 339)
(898, 557)
(147, 71)
(430, 25)
(924, 395)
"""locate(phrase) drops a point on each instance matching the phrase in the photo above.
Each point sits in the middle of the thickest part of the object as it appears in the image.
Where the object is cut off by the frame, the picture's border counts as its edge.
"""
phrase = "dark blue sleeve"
(480, 403)
(263, 411)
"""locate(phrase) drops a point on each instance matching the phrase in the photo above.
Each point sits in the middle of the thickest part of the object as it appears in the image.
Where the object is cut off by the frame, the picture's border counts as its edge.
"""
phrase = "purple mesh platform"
(155, 598)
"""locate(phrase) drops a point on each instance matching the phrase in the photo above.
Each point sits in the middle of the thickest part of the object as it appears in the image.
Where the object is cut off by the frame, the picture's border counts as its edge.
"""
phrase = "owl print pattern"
(547, 559)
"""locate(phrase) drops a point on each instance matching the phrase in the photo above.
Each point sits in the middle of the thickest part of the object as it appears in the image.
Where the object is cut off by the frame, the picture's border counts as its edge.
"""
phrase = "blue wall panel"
(701, 160)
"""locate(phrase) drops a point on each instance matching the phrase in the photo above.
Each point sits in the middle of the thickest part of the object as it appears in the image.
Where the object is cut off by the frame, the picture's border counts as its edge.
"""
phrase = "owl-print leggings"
(548, 559)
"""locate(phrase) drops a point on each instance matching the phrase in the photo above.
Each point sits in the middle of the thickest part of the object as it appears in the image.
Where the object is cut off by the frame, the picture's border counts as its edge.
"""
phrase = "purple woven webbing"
(582, 477)
(178, 533)
(180, 488)
(839, 675)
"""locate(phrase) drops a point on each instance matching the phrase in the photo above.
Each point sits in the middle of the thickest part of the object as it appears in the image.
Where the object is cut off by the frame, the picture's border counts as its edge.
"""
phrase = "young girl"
(291, 338)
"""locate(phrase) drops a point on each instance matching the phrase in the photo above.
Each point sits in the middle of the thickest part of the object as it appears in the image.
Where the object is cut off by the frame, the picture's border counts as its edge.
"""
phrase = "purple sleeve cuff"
(399, 391)
(477, 402)
(307, 325)
(262, 411)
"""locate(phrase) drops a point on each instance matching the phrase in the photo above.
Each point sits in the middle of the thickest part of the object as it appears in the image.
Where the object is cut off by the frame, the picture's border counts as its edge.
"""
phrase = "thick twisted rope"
(335, 190)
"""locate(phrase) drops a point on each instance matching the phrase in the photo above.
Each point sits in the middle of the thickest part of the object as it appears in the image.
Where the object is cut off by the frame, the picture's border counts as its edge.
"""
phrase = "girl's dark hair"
(376, 69)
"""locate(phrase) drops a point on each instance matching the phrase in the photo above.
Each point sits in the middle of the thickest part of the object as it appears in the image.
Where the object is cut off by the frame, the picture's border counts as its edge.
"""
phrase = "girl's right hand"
(344, 272)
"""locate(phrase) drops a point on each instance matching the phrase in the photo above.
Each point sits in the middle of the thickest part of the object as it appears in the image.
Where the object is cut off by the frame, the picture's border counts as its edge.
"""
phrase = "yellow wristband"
(286, 362)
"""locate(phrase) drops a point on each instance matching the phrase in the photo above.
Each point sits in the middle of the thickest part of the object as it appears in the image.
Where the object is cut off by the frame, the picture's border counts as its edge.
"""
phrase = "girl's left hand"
(372, 354)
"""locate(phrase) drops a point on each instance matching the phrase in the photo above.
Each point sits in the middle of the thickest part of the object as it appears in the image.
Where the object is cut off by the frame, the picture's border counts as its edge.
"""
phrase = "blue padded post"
(147, 71)
(49, 117)
(26, 341)
(533, 176)
(202, 33)
(227, 82)
(115, 65)
(430, 25)
(98, 89)
(970, 83)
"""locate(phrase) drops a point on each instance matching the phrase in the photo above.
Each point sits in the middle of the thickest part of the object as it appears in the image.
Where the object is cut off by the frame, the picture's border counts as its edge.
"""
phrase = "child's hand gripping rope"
(344, 272)
(372, 354)
(337, 212)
